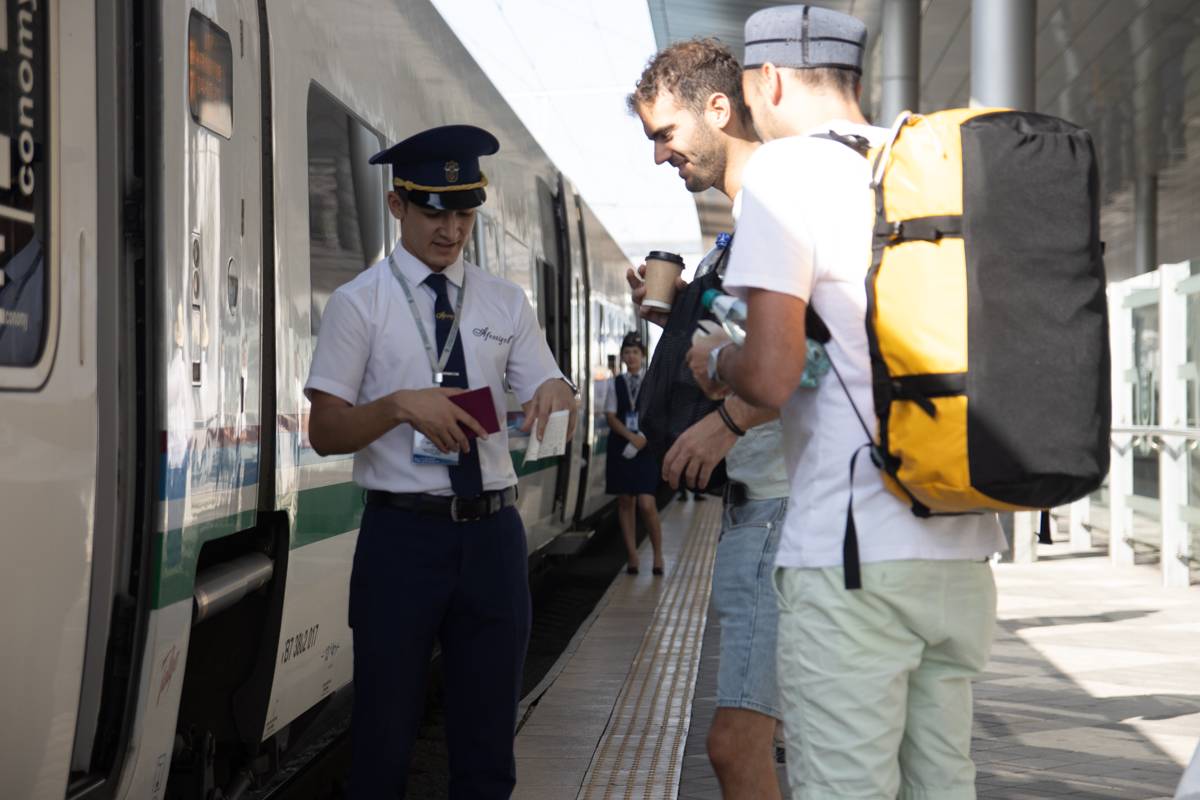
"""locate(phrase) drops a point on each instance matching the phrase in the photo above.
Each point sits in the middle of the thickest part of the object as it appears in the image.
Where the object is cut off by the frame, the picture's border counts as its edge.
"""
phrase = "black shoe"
(657, 571)
(631, 570)
(699, 497)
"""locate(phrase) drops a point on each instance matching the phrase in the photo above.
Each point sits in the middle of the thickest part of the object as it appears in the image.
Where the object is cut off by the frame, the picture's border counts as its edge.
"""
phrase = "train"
(183, 183)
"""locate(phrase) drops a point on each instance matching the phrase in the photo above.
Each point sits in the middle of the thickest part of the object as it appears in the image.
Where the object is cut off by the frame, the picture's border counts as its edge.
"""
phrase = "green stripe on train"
(322, 512)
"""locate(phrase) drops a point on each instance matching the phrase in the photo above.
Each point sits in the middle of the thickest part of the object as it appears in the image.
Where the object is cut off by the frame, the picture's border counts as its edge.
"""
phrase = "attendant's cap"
(439, 168)
(804, 37)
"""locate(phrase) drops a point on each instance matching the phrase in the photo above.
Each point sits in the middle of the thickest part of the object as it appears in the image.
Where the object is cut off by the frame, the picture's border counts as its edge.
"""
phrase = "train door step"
(569, 543)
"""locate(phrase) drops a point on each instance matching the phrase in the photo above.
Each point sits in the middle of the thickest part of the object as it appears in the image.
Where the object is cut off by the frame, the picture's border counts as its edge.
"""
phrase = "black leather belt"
(459, 509)
(735, 494)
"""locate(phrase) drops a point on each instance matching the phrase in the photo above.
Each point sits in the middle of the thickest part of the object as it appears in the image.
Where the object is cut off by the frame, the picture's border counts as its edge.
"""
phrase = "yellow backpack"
(987, 318)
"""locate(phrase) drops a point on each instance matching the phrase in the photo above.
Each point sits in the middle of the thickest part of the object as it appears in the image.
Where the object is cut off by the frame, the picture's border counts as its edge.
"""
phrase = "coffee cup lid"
(663, 255)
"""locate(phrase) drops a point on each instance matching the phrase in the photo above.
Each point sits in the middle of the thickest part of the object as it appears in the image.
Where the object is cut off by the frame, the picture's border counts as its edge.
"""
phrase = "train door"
(48, 381)
(573, 474)
(203, 233)
(558, 298)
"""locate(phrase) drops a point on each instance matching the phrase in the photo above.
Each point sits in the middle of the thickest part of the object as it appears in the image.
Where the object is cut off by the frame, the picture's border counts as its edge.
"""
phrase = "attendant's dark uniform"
(441, 550)
(637, 475)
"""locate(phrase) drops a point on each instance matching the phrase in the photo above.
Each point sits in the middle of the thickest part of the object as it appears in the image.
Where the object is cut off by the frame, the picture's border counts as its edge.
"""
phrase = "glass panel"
(1192, 357)
(210, 75)
(24, 135)
(1145, 397)
(343, 238)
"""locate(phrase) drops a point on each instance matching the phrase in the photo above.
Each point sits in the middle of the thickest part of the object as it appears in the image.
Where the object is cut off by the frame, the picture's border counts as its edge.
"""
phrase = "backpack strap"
(857, 143)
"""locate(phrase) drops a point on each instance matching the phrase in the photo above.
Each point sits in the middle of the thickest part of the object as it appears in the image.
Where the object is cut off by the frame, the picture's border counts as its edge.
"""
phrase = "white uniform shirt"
(610, 397)
(805, 230)
(369, 347)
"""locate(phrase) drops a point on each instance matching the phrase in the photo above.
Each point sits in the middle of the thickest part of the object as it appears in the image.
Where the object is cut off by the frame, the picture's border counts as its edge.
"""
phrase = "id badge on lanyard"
(424, 451)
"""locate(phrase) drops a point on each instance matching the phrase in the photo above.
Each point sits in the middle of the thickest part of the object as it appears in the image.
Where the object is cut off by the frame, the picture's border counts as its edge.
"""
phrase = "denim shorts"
(743, 595)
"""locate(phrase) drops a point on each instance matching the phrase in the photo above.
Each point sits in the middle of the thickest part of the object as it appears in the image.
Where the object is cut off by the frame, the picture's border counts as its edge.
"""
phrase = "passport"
(478, 403)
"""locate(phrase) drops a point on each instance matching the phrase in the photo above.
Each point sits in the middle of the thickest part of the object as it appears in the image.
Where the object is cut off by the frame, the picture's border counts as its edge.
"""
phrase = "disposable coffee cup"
(662, 271)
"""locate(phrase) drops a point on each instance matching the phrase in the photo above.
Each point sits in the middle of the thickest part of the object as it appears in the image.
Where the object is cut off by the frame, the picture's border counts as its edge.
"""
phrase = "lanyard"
(631, 394)
(436, 364)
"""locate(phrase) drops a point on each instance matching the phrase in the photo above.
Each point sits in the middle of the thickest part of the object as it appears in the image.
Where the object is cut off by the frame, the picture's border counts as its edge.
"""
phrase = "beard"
(707, 161)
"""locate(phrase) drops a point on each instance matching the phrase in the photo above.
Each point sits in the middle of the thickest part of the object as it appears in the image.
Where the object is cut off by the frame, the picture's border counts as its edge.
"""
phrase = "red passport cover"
(478, 403)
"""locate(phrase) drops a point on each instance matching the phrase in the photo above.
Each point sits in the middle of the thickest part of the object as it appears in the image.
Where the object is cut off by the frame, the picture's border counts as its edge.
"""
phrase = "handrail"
(1154, 430)
(1156, 438)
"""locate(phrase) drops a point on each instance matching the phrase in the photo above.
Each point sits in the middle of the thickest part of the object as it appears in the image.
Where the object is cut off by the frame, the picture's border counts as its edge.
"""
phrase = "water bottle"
(713, 256)
(731, 313)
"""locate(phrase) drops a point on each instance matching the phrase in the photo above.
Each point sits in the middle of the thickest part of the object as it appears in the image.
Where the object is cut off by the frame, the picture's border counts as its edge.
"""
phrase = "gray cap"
(804, 37)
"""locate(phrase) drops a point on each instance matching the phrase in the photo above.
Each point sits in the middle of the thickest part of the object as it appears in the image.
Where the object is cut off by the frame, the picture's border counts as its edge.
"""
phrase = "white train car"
(182, 185)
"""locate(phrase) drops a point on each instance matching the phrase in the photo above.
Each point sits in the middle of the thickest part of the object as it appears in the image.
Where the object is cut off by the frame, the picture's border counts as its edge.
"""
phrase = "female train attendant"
(632, 472)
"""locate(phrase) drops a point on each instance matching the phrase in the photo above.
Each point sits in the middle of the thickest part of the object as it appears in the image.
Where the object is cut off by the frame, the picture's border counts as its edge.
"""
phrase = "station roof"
(1127, 70)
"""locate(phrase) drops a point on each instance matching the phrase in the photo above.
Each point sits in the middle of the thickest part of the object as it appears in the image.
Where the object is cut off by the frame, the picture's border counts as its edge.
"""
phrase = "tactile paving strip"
(641, 752)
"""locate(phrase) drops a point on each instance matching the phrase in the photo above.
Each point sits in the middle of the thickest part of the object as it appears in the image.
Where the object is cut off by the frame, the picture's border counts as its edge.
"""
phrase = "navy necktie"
(466, 479)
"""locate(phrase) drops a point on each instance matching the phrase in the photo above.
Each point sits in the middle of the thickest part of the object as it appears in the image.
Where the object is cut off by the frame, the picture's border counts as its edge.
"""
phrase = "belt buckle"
(457, 514)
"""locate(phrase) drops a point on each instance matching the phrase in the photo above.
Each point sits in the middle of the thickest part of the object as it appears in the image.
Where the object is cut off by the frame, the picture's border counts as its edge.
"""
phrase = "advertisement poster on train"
(23, 181)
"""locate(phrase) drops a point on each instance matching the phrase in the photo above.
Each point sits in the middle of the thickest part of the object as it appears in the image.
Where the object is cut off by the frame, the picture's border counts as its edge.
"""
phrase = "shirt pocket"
(397, 368)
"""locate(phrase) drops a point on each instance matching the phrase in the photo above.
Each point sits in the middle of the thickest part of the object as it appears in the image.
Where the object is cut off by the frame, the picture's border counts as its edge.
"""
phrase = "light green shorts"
(876, 683)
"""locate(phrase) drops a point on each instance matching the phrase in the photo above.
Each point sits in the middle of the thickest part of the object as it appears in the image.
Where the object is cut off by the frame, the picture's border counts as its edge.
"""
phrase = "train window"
(25, 287)
(548, 306)
(210, 75)
(346, 211)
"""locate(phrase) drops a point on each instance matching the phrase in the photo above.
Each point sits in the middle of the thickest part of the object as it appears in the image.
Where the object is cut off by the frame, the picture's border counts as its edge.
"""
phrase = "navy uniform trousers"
(418, 578)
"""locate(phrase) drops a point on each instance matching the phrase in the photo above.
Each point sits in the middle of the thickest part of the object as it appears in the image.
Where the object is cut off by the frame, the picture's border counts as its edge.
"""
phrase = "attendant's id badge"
(631, 422)
(424, 451)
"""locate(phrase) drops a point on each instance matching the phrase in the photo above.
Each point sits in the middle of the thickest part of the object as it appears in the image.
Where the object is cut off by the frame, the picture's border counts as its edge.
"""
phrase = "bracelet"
(728, 420)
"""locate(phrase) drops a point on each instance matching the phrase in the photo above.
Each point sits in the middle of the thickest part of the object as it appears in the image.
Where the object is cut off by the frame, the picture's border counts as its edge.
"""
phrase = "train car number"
(300, 643)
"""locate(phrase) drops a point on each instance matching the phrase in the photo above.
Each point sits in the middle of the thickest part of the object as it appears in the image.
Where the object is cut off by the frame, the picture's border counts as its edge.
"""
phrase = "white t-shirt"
(369, 347)
(804, 230)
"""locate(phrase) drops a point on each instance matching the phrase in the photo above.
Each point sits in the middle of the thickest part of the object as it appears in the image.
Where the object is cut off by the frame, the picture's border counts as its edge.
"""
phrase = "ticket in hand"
(554, 439)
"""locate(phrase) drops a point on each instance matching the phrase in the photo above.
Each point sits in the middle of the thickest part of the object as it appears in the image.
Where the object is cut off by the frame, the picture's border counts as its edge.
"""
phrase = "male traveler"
(690, 102)
(875, 682)
(441, 549)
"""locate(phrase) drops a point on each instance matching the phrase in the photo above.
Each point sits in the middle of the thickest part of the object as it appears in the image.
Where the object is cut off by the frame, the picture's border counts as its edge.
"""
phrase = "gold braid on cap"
(462, 187)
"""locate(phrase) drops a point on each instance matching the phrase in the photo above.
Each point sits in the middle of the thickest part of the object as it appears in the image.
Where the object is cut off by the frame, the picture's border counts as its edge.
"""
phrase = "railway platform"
(1091, 691)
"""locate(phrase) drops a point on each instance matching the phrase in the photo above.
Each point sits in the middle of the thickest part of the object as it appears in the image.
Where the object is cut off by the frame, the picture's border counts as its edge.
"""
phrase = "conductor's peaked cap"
(439, 168)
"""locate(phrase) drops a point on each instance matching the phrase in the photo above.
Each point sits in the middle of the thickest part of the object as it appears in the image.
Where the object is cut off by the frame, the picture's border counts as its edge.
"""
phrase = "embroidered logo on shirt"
(486, 334)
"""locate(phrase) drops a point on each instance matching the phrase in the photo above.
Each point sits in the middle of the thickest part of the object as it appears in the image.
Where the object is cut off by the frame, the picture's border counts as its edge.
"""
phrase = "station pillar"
(1003, 33)
(901, 76)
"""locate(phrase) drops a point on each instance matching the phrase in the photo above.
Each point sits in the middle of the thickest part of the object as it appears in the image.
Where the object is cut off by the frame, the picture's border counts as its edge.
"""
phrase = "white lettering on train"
(25, 76)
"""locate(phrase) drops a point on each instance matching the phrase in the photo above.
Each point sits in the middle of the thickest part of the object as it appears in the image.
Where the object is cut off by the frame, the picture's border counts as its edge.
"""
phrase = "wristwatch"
(714, 356)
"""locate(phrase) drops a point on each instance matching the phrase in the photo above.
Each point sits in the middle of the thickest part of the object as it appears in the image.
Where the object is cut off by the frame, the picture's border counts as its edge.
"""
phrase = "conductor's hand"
(637, 286)
(697, 359)
(697, 452)
(431, 412)
(553, 395)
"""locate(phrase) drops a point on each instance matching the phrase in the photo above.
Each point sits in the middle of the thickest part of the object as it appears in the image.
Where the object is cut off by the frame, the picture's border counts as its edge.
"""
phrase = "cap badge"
(451, 171)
